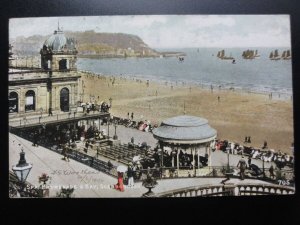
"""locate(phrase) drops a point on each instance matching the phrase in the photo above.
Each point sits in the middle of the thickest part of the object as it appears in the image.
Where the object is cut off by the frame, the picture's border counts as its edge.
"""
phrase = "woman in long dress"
(119, 186)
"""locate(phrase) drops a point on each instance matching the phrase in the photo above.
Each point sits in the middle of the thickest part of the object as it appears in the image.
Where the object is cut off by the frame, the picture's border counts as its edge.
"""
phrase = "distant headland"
(95, 45)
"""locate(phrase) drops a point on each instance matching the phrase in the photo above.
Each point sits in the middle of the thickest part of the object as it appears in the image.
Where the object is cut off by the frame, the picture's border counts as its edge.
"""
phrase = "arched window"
(29, 101)
(64, 99)
(13, 101)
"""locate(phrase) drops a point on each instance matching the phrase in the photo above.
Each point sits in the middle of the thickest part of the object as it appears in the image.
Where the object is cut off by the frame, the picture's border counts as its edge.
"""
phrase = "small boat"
(233, 61)
(221, 55)
(274, 55)
(250, 54)
(286, 55)
(181, 59)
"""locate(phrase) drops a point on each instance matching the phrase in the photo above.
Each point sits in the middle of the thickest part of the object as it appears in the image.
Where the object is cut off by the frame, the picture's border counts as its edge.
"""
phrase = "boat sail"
(274, 55)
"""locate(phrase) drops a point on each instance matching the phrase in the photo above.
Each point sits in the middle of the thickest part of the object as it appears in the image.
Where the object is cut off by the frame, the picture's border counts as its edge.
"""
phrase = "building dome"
(185, 129)
(59, 43)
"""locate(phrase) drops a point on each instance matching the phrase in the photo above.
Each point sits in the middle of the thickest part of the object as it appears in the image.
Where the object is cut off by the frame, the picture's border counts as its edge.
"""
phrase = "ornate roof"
(185, 129)
(59, 43)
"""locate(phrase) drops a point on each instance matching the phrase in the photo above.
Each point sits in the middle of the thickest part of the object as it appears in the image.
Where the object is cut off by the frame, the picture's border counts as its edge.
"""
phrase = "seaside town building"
(54, 86)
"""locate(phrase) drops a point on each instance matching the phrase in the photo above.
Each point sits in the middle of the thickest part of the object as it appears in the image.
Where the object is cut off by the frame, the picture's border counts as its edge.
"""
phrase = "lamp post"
(115, 137)
(21, 170)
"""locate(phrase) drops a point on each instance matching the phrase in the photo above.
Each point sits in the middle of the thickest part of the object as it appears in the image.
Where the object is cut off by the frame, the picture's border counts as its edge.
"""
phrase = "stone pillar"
(22, 101)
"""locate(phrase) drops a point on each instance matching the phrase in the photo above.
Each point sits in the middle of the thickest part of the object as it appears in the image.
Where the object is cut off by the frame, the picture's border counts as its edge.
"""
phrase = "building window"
(63, 64)
(29, 101)
(48, 64)
(13, 101)
(64, 99)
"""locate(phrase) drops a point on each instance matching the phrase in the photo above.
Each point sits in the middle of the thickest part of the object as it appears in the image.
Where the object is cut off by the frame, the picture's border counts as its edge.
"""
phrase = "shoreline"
(278, 95)
(234, 116)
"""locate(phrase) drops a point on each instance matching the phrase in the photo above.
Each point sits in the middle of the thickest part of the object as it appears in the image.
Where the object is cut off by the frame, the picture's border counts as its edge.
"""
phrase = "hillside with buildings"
(90, 44)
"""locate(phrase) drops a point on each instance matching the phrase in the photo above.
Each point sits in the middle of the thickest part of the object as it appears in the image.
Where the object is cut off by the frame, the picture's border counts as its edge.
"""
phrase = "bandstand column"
(177, 160)
(162, 153)
(173, 156)
(198, 157)
(209, 156)
(194, 159)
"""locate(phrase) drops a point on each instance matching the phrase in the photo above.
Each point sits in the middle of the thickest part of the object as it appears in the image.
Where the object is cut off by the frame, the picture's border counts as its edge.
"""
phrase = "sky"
(172, 31)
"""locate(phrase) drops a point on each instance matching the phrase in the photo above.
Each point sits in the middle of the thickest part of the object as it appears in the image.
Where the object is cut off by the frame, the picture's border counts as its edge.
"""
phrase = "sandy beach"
(234, 116)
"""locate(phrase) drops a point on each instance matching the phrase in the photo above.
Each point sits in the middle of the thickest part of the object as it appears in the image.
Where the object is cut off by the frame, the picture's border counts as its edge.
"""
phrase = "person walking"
(50, 112)
(249, 139)
(271, 171)
(119, 186)
(265, 145)
(130, 175)
(132, 116)
(249, 161)
(35, 139)
(242, 166)
(109, 165)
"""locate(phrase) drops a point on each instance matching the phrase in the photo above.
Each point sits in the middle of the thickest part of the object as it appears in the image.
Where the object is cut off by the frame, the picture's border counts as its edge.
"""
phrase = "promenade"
(88, 182)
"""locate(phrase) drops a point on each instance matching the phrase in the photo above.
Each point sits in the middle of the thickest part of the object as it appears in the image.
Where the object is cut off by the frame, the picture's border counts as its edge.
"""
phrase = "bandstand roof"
(185, 130)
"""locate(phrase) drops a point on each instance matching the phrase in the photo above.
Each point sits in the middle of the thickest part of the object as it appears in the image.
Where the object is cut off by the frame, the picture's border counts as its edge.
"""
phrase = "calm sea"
(202, 67)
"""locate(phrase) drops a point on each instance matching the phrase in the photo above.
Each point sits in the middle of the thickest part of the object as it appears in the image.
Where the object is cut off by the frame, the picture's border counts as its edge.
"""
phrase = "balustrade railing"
(44, 118)
(228, 190)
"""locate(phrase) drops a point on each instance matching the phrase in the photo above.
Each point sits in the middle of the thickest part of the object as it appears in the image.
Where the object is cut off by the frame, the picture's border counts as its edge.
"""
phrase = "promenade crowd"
(264, 153)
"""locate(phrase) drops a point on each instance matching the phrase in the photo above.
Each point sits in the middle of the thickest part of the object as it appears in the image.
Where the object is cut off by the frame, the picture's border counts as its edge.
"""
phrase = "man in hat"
(242, 166)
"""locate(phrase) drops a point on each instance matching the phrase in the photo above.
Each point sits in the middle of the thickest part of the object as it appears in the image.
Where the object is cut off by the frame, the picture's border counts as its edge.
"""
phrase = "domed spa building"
(33, 91)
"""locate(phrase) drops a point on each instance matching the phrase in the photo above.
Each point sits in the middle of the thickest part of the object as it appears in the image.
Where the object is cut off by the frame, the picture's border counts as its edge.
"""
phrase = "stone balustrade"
(228, 190)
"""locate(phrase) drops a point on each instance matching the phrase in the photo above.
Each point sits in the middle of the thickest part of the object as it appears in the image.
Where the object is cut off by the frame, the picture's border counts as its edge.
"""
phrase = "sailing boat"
(274, 55)
(286, 55)
(250, 54)
(221, 55)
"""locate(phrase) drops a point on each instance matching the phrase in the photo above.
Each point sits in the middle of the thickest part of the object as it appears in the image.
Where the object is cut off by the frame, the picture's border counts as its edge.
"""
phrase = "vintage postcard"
(150, 106)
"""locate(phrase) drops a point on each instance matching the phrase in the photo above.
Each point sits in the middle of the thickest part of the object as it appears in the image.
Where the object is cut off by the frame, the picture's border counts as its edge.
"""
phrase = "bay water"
(202, 67)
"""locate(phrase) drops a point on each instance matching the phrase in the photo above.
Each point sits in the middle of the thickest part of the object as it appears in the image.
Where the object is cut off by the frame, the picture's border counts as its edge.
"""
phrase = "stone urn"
(150, 183)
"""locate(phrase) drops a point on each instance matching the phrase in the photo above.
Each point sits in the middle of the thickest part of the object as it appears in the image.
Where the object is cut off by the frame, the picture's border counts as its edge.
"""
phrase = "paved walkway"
(88, 182)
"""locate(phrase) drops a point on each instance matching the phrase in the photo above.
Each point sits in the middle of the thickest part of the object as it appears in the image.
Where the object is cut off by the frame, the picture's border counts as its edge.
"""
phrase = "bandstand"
(188, 134)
